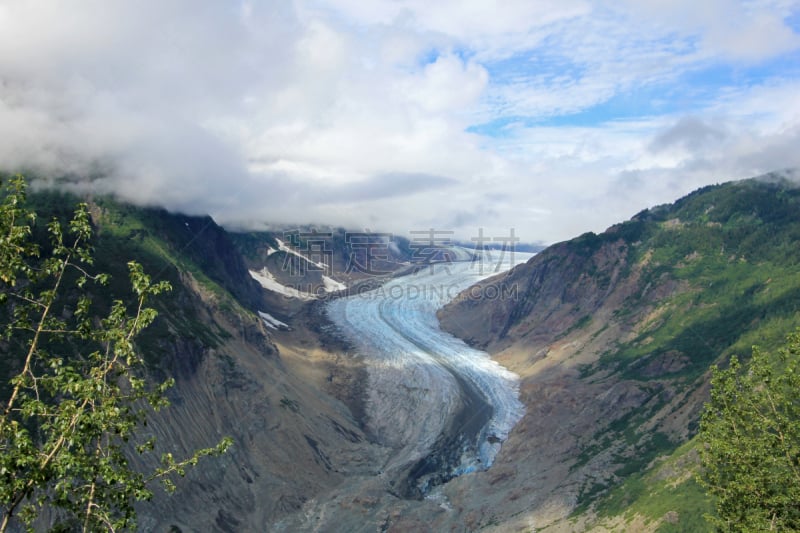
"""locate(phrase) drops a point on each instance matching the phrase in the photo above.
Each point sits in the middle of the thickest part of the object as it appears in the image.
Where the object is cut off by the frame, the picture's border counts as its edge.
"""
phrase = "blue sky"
(553, 117)
(690, 92)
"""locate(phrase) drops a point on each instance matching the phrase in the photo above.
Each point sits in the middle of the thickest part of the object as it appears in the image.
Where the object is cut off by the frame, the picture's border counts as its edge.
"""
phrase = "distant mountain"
(310, 263)
(613, 335)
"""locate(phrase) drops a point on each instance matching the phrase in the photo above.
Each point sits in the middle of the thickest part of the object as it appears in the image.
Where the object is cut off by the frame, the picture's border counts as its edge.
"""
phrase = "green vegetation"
(78, 390)
(735, 247)
(666, 495)
(750, 442)
(175, 248)
(730, 253)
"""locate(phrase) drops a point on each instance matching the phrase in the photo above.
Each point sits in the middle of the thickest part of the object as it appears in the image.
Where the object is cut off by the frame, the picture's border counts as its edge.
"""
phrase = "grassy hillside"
(736, 246)
(180, 249)
(631, 320)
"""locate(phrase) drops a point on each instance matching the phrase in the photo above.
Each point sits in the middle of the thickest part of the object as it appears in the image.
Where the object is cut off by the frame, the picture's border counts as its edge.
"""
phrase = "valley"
(399, 266)
(559, 394)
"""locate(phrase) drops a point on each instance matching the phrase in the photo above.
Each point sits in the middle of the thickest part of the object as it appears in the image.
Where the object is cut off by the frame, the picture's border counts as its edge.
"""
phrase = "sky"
(548, 117)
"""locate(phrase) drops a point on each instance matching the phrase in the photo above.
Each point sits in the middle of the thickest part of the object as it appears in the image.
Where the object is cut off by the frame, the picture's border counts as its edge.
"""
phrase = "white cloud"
(749, 31)
(358, 113)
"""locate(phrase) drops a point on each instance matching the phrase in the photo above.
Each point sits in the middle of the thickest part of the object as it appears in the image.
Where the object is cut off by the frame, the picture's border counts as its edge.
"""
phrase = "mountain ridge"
(613, 335)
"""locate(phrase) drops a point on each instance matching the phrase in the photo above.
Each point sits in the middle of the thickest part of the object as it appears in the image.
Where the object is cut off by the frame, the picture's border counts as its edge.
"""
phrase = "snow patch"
(272, 322)
(331, 285)
(283, 248)
(268, 281)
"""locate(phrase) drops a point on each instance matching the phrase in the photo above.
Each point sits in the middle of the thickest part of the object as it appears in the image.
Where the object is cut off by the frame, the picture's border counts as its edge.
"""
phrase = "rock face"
(561, 284)
(290, 438)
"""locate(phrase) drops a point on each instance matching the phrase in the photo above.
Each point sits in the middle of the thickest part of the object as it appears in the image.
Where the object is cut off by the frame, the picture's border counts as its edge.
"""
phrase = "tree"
(750, 435)
(78, 393)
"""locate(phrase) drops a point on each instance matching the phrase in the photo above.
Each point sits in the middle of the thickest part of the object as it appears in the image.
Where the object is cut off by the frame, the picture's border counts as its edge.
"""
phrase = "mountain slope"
(274, 392)
(613, 335)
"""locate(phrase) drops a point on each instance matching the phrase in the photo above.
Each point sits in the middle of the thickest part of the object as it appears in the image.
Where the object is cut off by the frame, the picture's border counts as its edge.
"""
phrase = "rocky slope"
(285, 400)
(612, 335)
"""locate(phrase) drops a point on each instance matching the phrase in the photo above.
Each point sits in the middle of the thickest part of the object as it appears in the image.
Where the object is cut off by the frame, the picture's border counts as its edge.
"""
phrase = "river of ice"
(417, 373)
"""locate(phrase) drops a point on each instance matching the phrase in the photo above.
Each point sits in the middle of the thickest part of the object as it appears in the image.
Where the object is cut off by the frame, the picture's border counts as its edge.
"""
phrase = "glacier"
(427, 388)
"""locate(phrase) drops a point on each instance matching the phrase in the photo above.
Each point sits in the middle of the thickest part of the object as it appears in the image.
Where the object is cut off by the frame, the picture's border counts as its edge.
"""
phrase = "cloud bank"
(553, 118)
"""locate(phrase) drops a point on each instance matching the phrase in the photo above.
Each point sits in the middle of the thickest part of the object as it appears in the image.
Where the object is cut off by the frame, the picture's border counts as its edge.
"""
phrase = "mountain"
(613, 335)
(278, 394)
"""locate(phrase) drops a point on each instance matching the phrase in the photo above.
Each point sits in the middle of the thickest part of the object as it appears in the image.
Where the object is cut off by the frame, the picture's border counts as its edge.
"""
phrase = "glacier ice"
(419, 374)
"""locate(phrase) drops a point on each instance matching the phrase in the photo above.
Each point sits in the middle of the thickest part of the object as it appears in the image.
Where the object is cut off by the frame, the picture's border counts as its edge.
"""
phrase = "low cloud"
(688, 133)
(334, 111)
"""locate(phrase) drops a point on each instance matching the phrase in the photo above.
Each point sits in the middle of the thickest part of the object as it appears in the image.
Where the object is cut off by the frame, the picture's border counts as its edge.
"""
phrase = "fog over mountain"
(553, 118)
